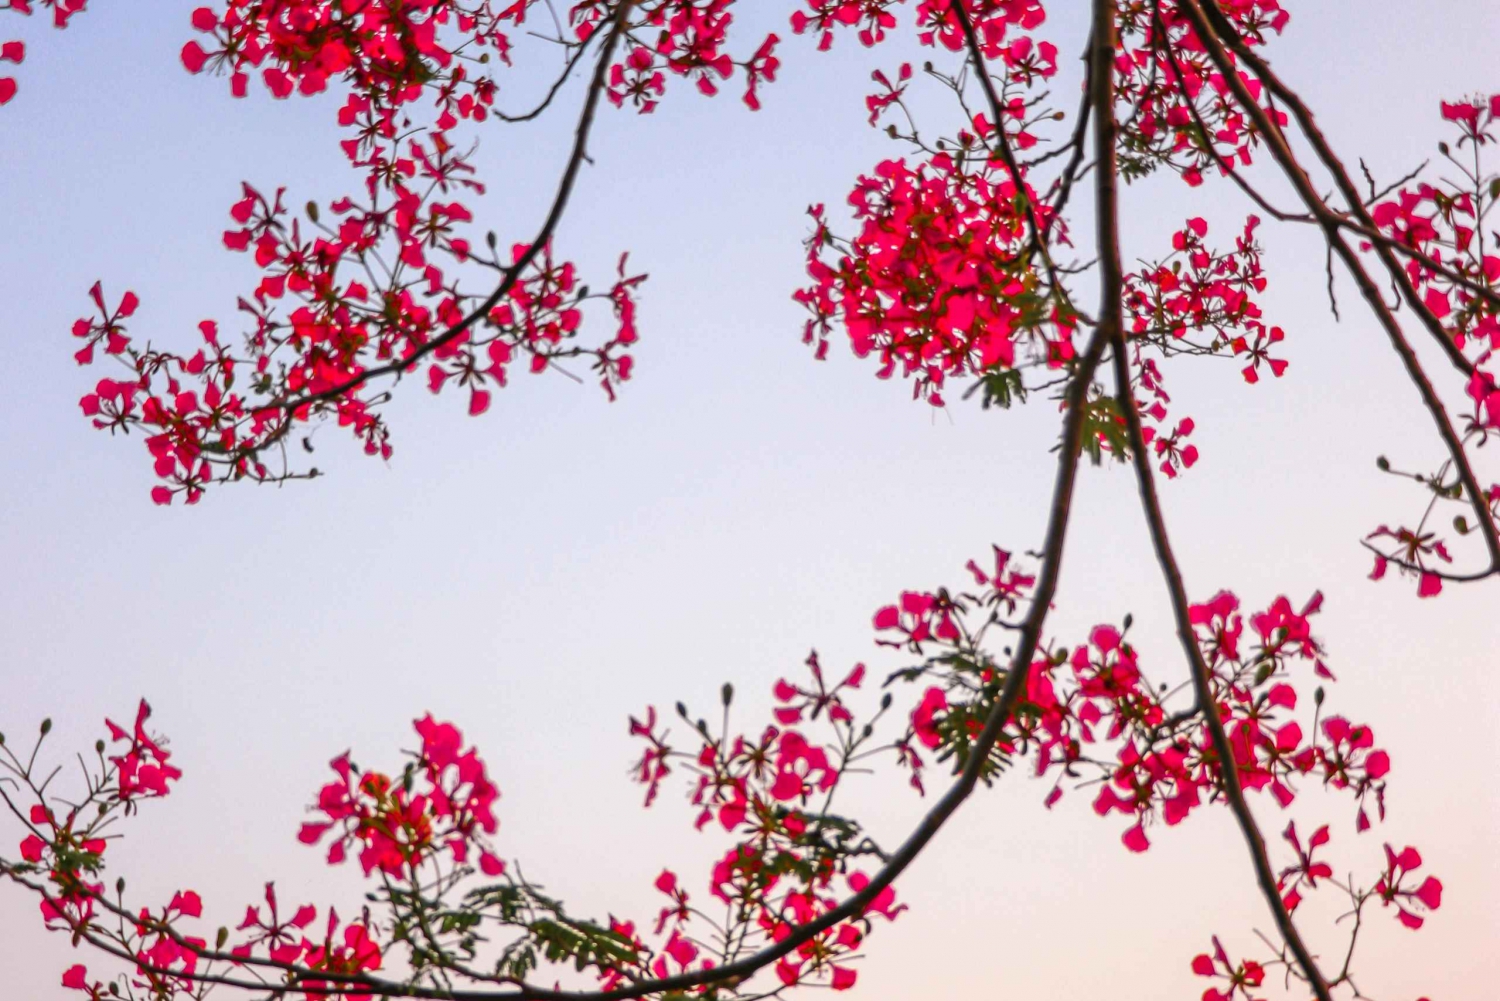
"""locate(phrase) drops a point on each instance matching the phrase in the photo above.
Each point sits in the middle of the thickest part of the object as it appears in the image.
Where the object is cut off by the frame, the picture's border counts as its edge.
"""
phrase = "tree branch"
(1226, 33)
(576, 158)
(1111, 319)
(1281, 151)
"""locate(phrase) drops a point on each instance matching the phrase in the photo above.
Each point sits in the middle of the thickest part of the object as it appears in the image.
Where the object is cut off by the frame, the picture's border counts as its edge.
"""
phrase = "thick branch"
(1281, 151)
(1111, 320)
(1350, 192)
(1031, 628)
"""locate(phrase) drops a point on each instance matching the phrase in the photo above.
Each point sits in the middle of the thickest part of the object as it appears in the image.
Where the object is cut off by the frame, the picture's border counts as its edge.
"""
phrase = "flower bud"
(46, 726)
(726, 694)
(222, 937)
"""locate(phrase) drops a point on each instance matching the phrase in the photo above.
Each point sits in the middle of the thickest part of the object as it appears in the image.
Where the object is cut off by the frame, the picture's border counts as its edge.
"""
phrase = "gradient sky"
(539, 573)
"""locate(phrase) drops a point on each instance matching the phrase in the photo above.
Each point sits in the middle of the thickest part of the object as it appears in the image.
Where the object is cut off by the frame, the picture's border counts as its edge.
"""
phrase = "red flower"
(923, 718)
(1428, 895)
(143, 771)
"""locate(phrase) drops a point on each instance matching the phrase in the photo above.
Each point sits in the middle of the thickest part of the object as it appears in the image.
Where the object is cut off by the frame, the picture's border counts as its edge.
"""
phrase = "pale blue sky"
(538, 574)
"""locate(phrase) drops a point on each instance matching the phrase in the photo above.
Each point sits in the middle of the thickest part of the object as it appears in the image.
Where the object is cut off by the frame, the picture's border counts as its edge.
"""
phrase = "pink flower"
(923, 718)
(1390, 888)
(883, 903)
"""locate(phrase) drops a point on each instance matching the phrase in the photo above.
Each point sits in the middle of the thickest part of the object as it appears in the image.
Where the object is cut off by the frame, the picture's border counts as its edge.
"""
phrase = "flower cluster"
(939, 282)
(1098, 693)
(1201, 300)
(1090, 716)
(772, 793)
(685, 38)
(397, 827)
(1185, 117)
(1196, 301)
(936, 23)
(1454, 276)
(369, 287)
(1066, 700)
(1245, 978)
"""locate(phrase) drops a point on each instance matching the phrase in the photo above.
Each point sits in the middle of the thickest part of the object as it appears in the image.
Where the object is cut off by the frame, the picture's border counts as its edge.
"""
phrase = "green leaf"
(1103, 425)
(1001, 388)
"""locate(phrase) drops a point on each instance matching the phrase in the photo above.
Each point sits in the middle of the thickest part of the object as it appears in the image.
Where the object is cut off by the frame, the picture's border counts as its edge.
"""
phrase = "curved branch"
(1369, 232)
(1226, 166)
(1281, 151)
(1227, 34)
(899, 860)
(1031, 628)
(576, 158)
(546, 101)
